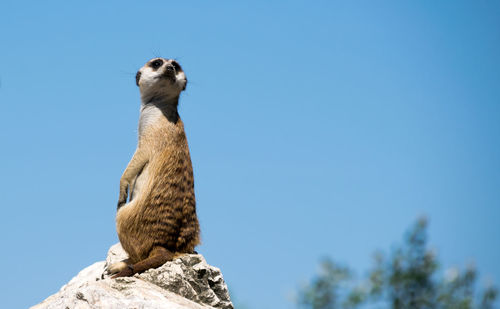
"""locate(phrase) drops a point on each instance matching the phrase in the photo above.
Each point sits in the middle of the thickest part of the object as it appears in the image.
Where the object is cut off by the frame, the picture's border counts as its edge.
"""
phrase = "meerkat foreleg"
(134, 167)
(157, 257)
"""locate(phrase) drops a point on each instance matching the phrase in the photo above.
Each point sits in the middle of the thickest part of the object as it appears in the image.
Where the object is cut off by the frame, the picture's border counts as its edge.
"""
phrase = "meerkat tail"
(157, 257)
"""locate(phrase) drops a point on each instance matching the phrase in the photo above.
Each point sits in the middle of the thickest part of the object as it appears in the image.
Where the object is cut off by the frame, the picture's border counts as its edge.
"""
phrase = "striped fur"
(159, 220)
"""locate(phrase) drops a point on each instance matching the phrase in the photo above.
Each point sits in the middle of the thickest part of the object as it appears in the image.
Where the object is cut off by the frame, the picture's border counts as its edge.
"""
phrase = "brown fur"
(160, 220)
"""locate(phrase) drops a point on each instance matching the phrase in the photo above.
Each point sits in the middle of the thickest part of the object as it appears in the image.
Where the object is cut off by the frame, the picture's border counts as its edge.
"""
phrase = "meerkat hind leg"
(117, 267)
(157, 257)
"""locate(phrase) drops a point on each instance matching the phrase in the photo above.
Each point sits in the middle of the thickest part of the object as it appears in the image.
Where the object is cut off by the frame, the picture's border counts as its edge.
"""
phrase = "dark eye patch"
(137, 77)
(156, 64)
(176, 66)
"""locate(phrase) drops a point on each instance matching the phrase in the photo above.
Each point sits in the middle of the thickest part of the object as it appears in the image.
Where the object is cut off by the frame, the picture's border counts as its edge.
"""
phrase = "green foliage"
(407, 279)
(325, 290)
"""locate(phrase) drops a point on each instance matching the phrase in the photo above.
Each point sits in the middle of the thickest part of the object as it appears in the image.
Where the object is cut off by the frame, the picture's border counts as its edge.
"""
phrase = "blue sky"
(316, 129)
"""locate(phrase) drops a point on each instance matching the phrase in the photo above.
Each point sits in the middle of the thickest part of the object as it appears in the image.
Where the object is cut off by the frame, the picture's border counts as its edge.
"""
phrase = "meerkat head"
(161, 77)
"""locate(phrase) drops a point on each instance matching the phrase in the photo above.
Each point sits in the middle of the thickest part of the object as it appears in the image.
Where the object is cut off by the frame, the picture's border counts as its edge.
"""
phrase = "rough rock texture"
(186, 282)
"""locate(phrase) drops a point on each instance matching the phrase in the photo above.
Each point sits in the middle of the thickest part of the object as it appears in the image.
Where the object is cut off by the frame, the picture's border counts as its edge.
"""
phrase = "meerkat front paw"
(120, 203)
(122, 199)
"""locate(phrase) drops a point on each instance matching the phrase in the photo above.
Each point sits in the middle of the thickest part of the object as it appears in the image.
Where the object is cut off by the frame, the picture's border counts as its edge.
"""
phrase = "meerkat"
(159, 219)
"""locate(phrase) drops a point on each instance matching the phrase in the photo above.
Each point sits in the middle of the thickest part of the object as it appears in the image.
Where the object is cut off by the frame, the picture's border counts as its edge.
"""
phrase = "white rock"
(186, 282)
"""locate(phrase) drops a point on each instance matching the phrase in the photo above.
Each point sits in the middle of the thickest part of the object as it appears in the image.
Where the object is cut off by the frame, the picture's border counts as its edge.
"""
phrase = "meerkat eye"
(176, 66)
(156, 64)
(137, 78)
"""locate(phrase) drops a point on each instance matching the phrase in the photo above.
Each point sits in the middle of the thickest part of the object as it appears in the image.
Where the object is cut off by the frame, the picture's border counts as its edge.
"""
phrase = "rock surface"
(186, 282)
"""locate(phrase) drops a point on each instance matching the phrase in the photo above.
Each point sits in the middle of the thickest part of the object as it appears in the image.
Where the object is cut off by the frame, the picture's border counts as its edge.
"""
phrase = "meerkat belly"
(154, 214)
(139, 183)
(136, 190)
(128, 219)
(163, 203)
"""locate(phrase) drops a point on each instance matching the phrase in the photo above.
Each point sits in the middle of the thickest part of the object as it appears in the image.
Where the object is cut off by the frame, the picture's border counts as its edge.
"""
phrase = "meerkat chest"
(150, 117)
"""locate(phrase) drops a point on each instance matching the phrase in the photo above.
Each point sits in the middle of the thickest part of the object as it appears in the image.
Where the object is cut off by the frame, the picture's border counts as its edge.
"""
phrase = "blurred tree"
(324, 291)
(407, 279)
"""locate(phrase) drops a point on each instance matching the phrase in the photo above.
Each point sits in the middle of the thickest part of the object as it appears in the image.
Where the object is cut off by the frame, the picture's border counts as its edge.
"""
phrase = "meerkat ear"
(137, 77)
(185, 84)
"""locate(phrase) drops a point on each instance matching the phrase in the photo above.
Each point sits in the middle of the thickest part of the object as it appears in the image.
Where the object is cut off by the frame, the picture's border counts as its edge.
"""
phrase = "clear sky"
(316, 128)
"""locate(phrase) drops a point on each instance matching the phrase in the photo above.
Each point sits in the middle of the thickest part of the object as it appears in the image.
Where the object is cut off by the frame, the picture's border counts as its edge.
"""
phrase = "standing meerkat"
(159, 220)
